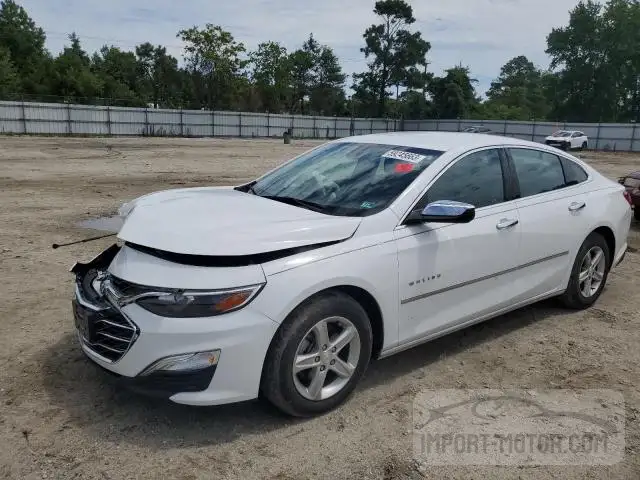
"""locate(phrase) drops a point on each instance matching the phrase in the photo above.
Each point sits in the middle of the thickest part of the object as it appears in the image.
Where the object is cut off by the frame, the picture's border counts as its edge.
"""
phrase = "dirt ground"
(60, 420)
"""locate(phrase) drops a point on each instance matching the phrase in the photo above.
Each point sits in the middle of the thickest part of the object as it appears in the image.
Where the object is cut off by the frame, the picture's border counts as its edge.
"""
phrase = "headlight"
(194, 304)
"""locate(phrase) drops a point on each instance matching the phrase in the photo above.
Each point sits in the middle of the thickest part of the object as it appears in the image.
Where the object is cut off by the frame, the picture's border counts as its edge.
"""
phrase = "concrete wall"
(67, 119)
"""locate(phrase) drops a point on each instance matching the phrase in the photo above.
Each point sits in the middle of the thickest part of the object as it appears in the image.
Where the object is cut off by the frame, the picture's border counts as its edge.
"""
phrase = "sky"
(481, 34)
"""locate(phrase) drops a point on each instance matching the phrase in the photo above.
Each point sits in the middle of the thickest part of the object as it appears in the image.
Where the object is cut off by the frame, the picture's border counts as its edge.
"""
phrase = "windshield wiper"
(299, 203)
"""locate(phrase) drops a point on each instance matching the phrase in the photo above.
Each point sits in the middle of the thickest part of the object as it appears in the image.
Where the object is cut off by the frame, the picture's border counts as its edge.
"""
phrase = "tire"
(574, 296)
(278, 384)
(636, 213)
(584, 146)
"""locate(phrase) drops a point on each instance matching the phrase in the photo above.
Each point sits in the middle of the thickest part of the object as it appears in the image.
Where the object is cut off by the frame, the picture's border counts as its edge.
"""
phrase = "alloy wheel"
(592, 271)
(326, 358)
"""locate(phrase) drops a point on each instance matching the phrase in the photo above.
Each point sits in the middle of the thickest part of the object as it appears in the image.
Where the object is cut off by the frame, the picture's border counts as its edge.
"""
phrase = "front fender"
(373, 269)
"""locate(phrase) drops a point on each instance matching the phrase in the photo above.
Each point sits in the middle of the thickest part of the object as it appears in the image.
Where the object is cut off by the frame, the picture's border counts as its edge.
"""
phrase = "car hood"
(220, 221)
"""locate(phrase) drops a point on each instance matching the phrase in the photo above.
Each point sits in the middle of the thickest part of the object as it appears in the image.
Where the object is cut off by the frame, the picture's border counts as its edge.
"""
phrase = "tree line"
(594, 74)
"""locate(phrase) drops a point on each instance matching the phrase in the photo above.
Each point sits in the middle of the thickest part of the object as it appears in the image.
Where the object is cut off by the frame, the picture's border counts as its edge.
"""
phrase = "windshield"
(351, 179)
(562, 133)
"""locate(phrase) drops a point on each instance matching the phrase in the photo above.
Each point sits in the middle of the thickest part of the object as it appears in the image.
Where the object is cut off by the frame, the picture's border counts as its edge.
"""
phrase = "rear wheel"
(589, 273)
(318, 355)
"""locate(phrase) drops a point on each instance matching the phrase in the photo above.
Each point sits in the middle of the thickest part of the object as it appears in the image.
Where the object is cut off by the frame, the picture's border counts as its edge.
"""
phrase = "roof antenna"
(58, 245)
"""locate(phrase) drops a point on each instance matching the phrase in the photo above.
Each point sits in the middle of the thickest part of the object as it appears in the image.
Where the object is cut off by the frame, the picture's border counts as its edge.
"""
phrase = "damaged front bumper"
(196, 361)
(106, 333)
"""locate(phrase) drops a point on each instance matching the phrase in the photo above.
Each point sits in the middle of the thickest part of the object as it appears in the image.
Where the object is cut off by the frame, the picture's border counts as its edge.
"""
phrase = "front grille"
(104, 329)
(113, 336)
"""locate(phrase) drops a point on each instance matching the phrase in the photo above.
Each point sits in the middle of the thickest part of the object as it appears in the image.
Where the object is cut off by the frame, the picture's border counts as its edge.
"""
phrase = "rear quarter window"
(573, 173)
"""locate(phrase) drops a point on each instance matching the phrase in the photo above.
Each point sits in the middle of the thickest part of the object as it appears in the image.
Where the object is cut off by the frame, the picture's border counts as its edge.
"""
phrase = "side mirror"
(444, 211)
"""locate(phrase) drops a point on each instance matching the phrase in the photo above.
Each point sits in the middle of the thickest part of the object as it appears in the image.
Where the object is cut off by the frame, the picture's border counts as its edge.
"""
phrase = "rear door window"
(537, 171)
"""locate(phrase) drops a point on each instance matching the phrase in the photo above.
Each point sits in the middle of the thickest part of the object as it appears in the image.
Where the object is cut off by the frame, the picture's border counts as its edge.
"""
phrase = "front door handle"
(575, 206)
(506, 223)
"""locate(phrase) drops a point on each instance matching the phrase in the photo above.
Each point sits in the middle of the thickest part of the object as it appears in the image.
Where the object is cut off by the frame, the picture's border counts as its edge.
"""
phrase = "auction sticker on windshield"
(404, 156)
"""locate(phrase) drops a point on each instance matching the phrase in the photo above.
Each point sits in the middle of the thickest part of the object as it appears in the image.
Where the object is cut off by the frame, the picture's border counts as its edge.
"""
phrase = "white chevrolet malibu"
(286, 287)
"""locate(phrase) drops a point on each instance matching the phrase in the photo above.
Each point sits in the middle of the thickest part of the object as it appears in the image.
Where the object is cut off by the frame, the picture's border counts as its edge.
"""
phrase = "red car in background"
(632, 184)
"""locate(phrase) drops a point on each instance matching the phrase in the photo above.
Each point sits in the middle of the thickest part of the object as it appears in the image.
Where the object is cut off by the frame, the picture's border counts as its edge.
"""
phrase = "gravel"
(60, 419)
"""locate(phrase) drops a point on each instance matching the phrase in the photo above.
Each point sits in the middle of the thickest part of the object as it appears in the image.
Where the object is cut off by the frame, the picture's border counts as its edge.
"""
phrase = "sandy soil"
(58, 419)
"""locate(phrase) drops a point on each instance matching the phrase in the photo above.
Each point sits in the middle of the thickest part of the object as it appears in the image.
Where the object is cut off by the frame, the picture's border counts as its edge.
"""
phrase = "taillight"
(627, 197)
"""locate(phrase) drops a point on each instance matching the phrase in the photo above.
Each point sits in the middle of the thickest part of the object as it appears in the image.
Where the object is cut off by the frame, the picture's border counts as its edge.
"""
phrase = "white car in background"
(568, 140)
(289, 285)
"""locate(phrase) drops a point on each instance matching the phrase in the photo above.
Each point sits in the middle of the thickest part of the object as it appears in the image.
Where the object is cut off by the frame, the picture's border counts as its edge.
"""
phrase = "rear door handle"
(506, 223)
(575, 206)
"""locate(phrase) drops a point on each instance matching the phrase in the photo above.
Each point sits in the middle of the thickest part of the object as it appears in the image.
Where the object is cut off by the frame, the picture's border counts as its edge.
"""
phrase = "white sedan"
(568, 140)
(286, 287)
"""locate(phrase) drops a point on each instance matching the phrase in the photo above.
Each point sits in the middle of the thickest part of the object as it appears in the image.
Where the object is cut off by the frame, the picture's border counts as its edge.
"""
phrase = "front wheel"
(589, 273)
(584, 146)
(318, 355)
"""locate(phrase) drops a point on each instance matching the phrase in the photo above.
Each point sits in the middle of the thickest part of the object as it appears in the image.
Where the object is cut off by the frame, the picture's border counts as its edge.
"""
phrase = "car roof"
(443, 141)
